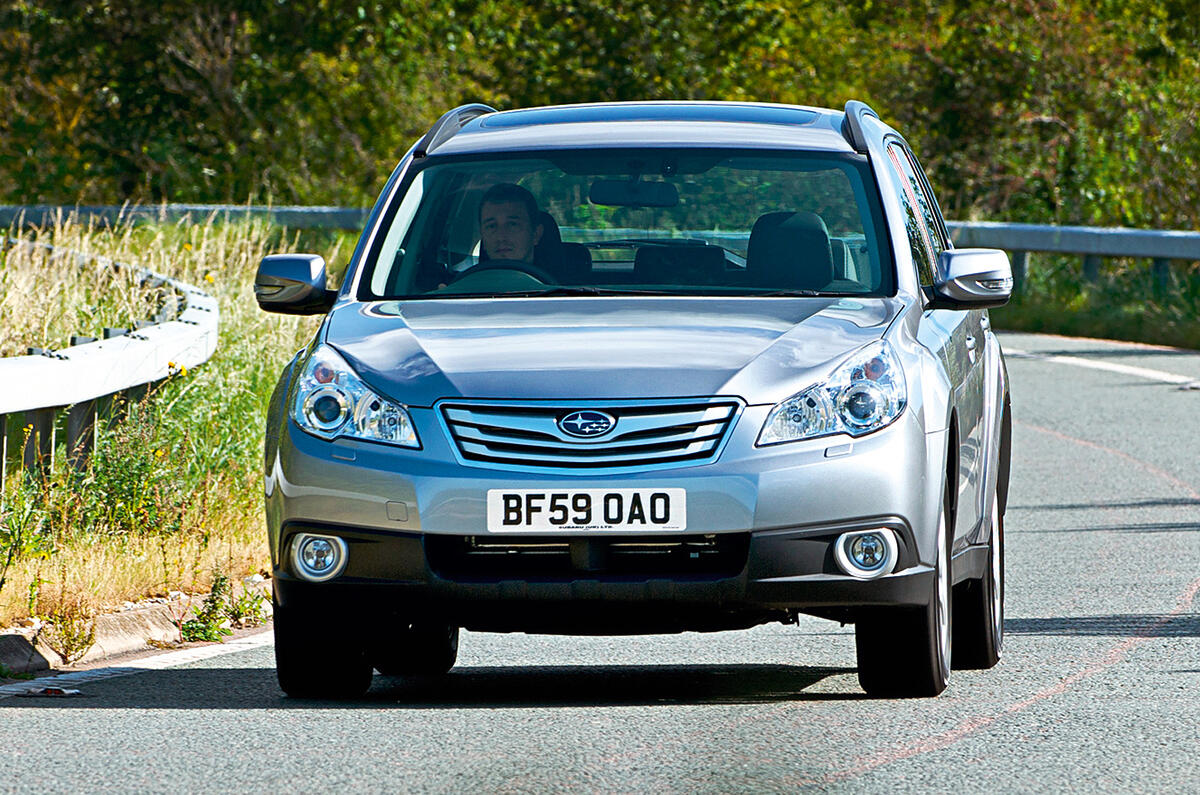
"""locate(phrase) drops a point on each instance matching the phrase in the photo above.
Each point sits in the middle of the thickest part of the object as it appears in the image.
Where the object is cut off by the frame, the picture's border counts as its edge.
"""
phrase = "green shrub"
(210, 619)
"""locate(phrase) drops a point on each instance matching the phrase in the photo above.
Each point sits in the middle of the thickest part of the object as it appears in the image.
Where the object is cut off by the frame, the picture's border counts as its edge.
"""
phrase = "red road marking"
(1113, 656)
(938, 741)
(1162, 473)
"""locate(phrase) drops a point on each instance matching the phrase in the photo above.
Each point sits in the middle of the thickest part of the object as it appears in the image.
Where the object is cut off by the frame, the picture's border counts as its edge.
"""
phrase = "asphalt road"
(1099, 688)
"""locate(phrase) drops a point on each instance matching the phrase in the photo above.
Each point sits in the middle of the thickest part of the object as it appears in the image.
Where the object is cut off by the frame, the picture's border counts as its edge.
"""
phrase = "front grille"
(558, 558)
(528, 436)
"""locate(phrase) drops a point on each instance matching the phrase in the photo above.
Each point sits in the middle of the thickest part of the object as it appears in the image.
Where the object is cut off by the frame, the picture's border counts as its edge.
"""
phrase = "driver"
(506, 223)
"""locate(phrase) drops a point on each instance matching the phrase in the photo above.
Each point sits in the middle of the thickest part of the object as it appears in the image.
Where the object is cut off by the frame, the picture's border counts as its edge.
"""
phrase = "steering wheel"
(527, 268)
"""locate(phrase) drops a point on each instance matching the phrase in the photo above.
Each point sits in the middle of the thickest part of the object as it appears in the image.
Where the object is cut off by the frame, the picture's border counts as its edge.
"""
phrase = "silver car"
(642, 368)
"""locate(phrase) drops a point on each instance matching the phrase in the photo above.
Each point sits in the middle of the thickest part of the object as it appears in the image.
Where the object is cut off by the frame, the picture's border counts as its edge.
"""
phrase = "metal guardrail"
(1093, 244)
(295, 217)
(83, 379)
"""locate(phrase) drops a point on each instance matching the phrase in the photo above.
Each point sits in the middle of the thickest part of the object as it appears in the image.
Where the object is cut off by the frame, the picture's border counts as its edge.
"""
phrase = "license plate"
(522, 510)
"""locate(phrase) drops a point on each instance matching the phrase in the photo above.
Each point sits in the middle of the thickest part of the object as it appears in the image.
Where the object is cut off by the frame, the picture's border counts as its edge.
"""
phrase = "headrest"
(570, 263)
(789, 251)
(550, 233)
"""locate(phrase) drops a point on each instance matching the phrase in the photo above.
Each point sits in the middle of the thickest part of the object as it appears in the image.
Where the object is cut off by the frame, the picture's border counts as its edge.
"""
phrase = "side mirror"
(973, 278)
(293, 284)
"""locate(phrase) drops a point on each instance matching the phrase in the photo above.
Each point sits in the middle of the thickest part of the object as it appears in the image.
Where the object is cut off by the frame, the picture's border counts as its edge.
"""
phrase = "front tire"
(905, 652)
(312, 661)
(979, 607)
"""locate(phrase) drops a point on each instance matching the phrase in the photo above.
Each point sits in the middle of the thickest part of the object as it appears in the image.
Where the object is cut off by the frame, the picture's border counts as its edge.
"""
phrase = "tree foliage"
(1038, 110)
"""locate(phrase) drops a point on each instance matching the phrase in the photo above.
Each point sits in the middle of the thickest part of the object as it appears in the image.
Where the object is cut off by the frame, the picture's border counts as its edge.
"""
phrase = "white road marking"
(156, 663)
(1161, 376)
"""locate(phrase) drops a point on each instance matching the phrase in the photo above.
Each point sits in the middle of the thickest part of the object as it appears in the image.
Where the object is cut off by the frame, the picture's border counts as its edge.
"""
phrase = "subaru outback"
(642, 368)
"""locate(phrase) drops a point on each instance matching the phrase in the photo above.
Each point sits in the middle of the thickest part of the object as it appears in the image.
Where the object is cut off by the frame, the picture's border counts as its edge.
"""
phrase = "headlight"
(332, 401)
(863, 395)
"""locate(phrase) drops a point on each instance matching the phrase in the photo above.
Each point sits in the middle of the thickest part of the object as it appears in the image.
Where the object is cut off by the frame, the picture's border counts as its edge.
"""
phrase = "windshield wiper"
(809, 294)
(558, 290)
(585, 290)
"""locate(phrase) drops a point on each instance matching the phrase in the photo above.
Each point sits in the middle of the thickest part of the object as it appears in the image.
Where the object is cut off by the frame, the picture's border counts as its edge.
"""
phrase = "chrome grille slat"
(568, 456)
(713, 425)
(487, 433)
(527, 436)
(515, 421)
(630, 421)
(467, 433)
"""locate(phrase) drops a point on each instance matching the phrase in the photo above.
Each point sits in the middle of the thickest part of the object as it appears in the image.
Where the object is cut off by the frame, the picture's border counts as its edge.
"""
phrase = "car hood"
(759, 349)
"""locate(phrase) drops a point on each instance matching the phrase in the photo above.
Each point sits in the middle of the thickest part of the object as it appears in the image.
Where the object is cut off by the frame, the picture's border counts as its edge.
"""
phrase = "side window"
(929, 208)
(920, 238)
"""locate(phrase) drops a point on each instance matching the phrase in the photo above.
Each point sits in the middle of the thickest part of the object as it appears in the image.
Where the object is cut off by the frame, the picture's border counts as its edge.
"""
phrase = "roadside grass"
(1125, 304)
(173, 493)
(46, 296)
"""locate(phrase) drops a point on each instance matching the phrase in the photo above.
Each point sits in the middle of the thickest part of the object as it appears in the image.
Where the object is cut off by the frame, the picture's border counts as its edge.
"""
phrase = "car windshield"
(655, 222)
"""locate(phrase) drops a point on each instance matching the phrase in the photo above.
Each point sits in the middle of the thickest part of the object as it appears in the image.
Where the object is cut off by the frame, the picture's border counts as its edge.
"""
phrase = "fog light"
(867, 554)
(318, 558)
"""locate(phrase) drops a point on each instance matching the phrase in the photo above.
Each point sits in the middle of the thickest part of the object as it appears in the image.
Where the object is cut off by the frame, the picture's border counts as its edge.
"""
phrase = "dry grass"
(102, 576)
(175, 491)
(47, 295)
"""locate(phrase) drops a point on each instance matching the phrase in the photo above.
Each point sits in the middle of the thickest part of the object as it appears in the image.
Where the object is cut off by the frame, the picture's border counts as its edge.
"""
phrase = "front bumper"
(755, 577)
(411, 519)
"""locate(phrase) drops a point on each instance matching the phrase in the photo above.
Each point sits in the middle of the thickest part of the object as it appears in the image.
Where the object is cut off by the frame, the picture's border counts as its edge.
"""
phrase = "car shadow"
(1177, 502)
(464, 688)
(1119, 626)
(1117, 353)
(1144, 527)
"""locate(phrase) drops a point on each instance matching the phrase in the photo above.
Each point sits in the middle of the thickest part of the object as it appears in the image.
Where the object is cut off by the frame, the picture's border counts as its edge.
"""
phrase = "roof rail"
(852, 129)
(445, 128)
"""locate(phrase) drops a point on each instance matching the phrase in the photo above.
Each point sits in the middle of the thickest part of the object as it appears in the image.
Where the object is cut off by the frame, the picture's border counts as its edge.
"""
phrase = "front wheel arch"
(950, 493)
(1005, 461)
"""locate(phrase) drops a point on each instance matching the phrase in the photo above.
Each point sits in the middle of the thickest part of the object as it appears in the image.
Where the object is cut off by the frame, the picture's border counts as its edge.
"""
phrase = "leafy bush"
(135, 483)
(210, 619)
(249, 609)
(1126, 303)
(24, 531)
(1025, 110)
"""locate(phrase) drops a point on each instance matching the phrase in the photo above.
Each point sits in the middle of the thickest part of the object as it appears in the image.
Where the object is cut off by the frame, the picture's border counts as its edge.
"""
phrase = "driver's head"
(508, 227)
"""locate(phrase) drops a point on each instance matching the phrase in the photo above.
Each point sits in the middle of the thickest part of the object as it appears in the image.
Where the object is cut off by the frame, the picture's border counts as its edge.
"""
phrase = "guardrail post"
(3, 448)
(134, 395)
(81, 424)
(81, 434)
(1091, 268)
(38, 455)
(112, 407)
(1020, 261)
(1162, 273)
(104, 407)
